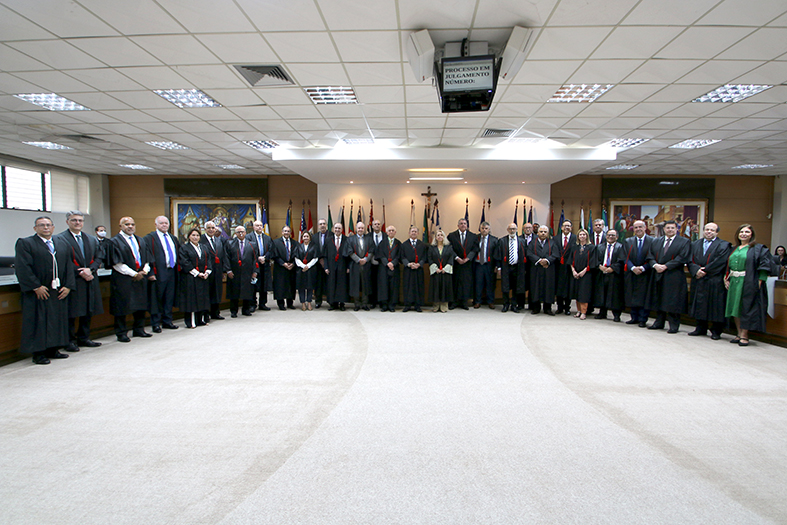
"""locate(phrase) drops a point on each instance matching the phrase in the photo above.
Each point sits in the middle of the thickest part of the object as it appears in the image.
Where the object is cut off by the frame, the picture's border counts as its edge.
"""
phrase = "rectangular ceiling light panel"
(732, 93)
(187, 98)
(51, 101)
(580, 92)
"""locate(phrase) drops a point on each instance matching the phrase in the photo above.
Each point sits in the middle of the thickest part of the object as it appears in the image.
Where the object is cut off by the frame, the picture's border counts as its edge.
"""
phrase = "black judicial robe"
(360, 275)
(463, 273)
(44, 322)
(85, 299)
(503, 247)
(320, 277)
(440, 285)
(754, 300)
(608, 287)
(667, 291)
(337, 281)
(413, 288)
(240, 286)
(563, 273)
(636, 286)
(542, 280)
(387, 279)
(127, 295)
(264, 272)
(708, 294)
(306, 253)
(283, 279)
(194, 291)
(216, 259)
(583, 257)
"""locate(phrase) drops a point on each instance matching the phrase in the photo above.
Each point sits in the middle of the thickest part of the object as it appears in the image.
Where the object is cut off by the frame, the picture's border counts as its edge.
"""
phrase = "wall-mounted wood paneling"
(137, 196)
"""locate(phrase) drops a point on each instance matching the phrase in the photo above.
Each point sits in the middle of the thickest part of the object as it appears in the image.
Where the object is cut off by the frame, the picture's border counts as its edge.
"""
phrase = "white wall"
(779, 231)
(451, 199)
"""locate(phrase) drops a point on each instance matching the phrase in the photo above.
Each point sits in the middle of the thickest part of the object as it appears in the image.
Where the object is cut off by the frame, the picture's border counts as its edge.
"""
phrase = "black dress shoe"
(451, 307)
(465, 307)
(366, 308)
(217, 317)
(505, 308)
(549, 312)
(515, 309)
(715, 337)
(357, 307)
(697, 332)
(491, 306)
(87, 343)
(234, 315)
(71, 347)
(57, 355)
(157, 329)
(418, 309)
(318, 304)
(632, 321)
(672, 331)
(559, 311)
(291, 306)
(533, 312)
(169, 326)
(642, 324)
(141, 334)
(123, 338)
(282, 307)
(253, 309)
(341, 307)
(41, 359)
(332, 308)
(616, 319)
(248, 314)
(264, 308)
(656, 326)
(405, 309)
(599, 316)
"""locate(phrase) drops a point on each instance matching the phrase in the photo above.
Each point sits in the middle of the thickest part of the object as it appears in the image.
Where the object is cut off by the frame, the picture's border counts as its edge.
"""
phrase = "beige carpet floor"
(380, 418)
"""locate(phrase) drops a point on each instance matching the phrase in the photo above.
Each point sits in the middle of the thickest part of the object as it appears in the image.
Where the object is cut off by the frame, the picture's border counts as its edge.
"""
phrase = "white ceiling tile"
(416, 14)
(423, 110)
(604, 109)
(303, 47)
(582, 12)
(635, 42)
(662, 71)
(319, 74)
(423, 93)
(349, 124)
(719, 72)
(240, 48)
(668, 12)
(13, 60)
(130, 115)
(652, 109)
(529, 93)
(156, 77)
(354, 15)
(309, 124)
(233, 126)
(424, 142)
(211, 77)
(197, 126)
(302, 111)
(176, 50)
(143, 100)
(368, 46)
(507, 109)
(764, 44)
(274, 96)
(379, 95)
(743, 12)
(425, 122)
(64, 22)
(120, 128)
(96, 101)
(456, 121)
(331, 111)
(772, 73)
(254, 112)
(377, 73)
(604, 71)
(54, 81)
(230, 98)
(563, 43)
(269, 126)
(546, 71)
(293, 15)
(386, 123)
(630, 92)
(104, 79)
(15, 27)
(208, 16)
(374, 111)
(116, 51)
(703, 42)
(57, 53)
(141, 17)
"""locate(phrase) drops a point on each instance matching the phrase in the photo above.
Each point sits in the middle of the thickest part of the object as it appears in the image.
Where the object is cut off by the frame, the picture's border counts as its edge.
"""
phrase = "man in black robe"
(529, 237)
(319, 239)
(336, 278)
(636, 269)
(707, 267)
(667, 290)
(512, 260)
(388, 254)
(213, 242)
(283, 255)
(84, 301)
(541, 257)
(264, 256)
(45, 272)
(103, 244)
(165, 277)
(609, 280)
(131, 272)
(462, 242)
(564, 243)
(376, 236)
(485, 263)
(360, 249)
(414, 253)
(241, 268)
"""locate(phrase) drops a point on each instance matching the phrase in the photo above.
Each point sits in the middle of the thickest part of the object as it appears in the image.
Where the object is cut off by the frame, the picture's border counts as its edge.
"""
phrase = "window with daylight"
(33, 190)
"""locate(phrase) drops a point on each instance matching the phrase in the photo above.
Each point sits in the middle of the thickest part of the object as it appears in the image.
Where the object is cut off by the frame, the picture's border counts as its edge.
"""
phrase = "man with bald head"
(463, 243)
(241, 267)
(164, 247)
(131, 271)
(512, 262)
(213, 242)
(636, 273)
(541, 256)
(388, 255)
(707, 267)
(264, 258)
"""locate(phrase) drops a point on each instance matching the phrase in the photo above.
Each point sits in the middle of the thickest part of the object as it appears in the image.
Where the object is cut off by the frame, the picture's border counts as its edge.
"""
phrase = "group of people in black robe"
(60, 291)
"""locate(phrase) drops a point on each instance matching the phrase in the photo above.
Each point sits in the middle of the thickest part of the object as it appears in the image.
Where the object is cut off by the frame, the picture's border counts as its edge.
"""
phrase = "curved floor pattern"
(378, 418)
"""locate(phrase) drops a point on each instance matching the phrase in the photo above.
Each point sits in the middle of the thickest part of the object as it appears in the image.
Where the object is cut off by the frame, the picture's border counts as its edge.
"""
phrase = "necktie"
(287, 242)
(242, 248)
(413, 243)
(598, 239)
(135, 249)
(50, 246)
(666, 245)
(377, 239)
(482, 255)
(390, 242)
(212, 246)
(81, 244)
(169, 251)
(360, 243)
(609, 255)
(511, 250)
(337, 243)
(639, 248)
(565, 242)
(705, 247)
(463, 238)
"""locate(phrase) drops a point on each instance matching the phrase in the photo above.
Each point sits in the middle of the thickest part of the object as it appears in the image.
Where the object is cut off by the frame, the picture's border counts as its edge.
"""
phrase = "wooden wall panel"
(281, 189)
(577, 191)
(138, 196)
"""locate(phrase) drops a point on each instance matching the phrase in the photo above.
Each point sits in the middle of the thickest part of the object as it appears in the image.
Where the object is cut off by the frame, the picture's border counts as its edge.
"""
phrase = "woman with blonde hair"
(441, 259)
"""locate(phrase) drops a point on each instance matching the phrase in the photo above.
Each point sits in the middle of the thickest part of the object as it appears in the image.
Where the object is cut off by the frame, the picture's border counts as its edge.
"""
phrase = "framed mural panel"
(227, 214)
(690, 216)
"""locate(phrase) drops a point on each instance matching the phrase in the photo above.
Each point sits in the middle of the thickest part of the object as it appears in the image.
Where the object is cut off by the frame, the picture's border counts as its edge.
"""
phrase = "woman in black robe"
(306, 257)
(582, 260)
(194, 286)
(441, 259)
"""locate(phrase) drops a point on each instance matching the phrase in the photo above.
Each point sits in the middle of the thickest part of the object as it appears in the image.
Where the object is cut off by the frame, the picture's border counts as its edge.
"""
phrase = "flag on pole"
(288, 222)
(330, 220)
(360, 214)
(303, 222)
(530, 213)
(590, 216)
(516, 212)
(310, 227)
(432, 226)
(265, 227)
(425, 234)
(412, 213)
(467, 214)
(341, 220)
(562, 217)
(383, 215)
(483, 214)
(371, 211)
(582, 215)
(551, 219)
(604, 217)
(350, 226)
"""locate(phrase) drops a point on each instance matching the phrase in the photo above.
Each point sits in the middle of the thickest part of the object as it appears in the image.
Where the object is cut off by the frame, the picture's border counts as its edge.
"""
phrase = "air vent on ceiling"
(265, 75)
(498, 132)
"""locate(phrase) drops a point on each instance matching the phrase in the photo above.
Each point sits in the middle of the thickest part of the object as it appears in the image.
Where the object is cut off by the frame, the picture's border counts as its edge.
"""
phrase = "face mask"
(101, 234)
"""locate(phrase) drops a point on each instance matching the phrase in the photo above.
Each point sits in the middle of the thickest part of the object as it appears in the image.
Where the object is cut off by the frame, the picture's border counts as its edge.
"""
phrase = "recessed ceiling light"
(229, 166)
(694, 143)
(51, 102)
(261, 145)
(187, 98)
(752, 166)
(580, 92)
(626, 143)
(166, 145)
(135, 166)
(47, 145)
(356, 142)
(437, 178)
(623, 167)
(331, 95)
(436, 170)
(732, 93)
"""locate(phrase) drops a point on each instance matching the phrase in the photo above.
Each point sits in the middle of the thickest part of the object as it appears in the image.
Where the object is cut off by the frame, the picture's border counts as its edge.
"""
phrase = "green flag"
(425, 236)
(330, 220)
